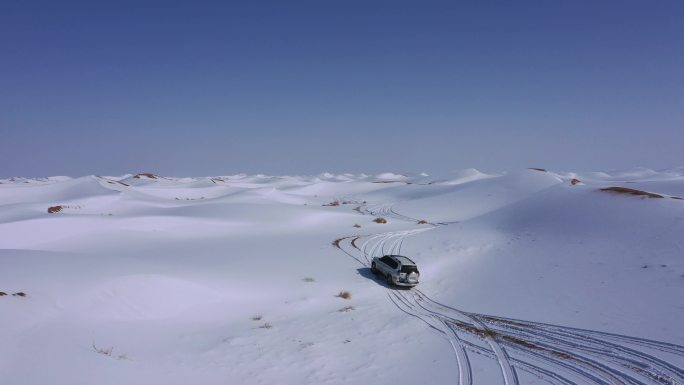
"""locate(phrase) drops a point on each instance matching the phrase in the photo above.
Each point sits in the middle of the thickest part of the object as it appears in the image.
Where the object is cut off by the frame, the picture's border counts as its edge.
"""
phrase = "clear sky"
(285, 87)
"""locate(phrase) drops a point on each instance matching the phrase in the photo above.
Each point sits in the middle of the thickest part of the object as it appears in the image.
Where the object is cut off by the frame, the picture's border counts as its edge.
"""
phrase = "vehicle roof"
(402, 259)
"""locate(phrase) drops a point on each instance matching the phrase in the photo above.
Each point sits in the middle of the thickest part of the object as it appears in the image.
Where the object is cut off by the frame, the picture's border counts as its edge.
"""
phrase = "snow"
(234, 279)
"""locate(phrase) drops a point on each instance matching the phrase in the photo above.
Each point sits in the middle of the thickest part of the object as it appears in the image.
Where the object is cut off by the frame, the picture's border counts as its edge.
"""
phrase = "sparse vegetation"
(333, 203)
(357, 225)
(538, 169)
(575, 181)
(257, 317)
(346, 309)
(109, 352)
(58, 208)
(19, 294)
(2, 293)
(266, 326)
(54, 209)
(422, 222)
(380, 220)
(344, 294)
(308, 279)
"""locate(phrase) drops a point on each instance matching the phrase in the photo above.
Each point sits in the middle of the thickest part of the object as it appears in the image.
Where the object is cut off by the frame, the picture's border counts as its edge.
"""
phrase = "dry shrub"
(344, 294)
(54, 209)
(422, 222)
(629, 191)
(575, 181)
(109, 352)
(357, 225)
(266, 326)
(105, 351)
(2, 293)
(380, 220)
(333, 203)
(19, 294)
(257, 317)
(346, 309)
(308, 279)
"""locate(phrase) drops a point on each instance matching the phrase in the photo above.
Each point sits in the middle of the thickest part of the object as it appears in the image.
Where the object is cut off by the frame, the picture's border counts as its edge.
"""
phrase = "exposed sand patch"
(630, 191)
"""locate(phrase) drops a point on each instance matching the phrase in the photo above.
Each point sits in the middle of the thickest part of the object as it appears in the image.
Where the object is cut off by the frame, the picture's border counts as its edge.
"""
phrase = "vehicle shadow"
(379, 279)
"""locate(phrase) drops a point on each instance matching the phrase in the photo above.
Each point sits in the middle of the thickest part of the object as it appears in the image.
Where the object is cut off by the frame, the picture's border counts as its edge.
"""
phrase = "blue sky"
(207, 88)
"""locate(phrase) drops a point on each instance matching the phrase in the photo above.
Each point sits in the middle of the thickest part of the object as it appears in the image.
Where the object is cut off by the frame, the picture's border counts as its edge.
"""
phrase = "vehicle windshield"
(409, 269)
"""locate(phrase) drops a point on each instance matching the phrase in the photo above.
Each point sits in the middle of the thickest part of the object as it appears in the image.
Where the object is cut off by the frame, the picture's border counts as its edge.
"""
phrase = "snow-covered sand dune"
(529, 277)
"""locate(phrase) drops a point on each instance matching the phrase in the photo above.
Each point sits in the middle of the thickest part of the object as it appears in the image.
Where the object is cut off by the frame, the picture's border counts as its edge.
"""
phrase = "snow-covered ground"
(529, 277)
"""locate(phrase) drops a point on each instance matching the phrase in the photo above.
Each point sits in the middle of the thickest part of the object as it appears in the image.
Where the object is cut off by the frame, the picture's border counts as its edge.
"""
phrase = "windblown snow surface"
(531, 277)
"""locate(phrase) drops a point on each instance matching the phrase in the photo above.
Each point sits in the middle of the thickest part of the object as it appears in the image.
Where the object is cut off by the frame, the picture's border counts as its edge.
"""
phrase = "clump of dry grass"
(575, 181)
(422, 222)
(105, 351)
(308, 279)
(54, 209)
(380, 220)
(357, 225)
(19, 294)
(2, 293)
(266, 326)
(257, 317)
(344, 294)
(538, 169)
(109, 352)
(333, 203)
(346, 309)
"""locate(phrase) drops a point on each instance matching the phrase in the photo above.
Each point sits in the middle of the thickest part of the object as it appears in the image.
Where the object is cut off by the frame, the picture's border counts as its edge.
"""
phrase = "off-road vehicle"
(397, 269)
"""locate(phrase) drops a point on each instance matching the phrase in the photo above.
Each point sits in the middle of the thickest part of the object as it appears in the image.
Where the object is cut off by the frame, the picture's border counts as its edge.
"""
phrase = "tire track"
(390, 243)
(555, 354)
(656, 368)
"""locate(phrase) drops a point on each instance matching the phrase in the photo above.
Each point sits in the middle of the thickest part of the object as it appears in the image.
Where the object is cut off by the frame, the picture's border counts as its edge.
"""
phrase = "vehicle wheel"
(389, 280)
(373, 269)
